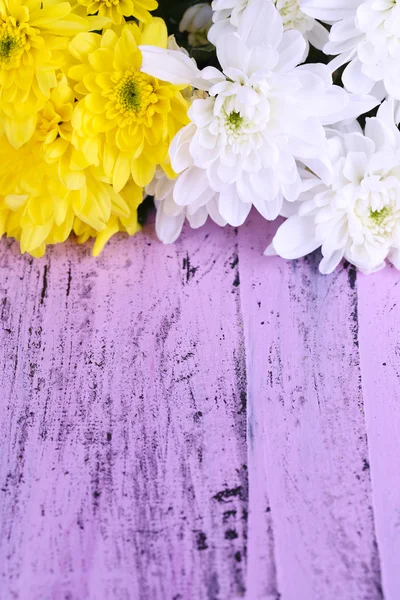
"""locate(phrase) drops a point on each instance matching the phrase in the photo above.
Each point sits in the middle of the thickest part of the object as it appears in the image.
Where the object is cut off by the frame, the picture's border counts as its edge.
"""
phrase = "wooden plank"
(379, 319)
(304, 395)
(123, 466)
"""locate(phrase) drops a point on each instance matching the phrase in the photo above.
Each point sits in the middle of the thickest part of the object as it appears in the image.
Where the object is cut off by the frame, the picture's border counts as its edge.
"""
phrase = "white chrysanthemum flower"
(356, 216)
(262, 114)
(365, 34)
(197, 21)
(171, 216)
(234, 15)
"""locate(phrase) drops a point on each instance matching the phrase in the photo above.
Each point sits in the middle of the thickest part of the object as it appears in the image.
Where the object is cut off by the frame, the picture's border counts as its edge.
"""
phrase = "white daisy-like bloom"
(356, 216)
(235, 15)
(171, 216)
(197, 21)
(365, 34)
(262, 114)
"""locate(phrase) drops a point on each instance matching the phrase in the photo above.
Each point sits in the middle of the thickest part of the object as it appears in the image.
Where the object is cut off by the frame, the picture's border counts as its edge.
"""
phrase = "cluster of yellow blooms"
(82, 129)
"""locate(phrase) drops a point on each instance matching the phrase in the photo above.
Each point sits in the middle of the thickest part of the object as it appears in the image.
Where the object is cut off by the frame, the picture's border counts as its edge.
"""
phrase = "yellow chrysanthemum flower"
(39, 210)
(133, 195)
(47, 185)
(34, 198)
(116, 10)
(125, 120)
(33, 34)
(92, 198)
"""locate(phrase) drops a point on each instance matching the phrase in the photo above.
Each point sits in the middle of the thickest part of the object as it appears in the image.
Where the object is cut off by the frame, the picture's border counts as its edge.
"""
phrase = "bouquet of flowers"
(290, 106)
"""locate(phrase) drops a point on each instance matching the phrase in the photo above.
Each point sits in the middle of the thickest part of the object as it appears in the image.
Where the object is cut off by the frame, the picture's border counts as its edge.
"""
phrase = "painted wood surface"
(197, 422)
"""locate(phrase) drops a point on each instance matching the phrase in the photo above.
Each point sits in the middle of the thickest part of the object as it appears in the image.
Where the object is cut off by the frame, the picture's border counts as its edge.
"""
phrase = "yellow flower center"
(132, 98)
(13, 43)
(129, 95)
(109, 3)
(234, 120)
(379, 216)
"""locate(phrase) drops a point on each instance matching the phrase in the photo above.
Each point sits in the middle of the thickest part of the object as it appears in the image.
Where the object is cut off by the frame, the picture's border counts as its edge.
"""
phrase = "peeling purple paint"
(196, 422)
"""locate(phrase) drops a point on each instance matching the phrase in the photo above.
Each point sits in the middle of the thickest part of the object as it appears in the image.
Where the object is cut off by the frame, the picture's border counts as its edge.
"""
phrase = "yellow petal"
(19, 131)
(103, 237)
(155, 33)
(142, 171)
(121, 171)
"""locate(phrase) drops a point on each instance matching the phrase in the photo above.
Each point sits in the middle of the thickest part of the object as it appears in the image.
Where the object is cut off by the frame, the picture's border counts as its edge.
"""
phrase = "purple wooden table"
(197, 422)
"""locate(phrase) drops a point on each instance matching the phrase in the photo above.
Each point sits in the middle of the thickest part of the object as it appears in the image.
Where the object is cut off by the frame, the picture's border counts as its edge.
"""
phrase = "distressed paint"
(379, 317)
(123, 470)
(126, 471)
(304, 380)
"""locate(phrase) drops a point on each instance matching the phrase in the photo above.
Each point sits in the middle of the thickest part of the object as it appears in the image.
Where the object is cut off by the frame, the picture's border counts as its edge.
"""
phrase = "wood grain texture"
(197, 422)
(123, 472)
(379, 316)
(304, 380)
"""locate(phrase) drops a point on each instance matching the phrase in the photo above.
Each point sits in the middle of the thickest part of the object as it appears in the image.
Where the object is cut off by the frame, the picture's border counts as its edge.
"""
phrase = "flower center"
(109, 3)
(12, 45)
(378, 217)
(234, 121)
(7, 44)
(132, 99)
(377, 208)
(129, 95)
(292, 15)
(95, 5)
(236, 130)
(382, 221)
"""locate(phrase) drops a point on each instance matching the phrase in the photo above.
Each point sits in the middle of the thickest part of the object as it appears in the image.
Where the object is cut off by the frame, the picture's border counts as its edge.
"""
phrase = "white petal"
(392, 85)
(289, 209)
(170, 207)
(340, 60)
(366, 53)
(270, 251)
(231, 207)
(171, 65)
(330, 11)
(291, 50)
(168, 228)
(357, 142)
(198, 218)
(232, 52)
(212, 75)
(359, 256)
(201, 111)
(394, 258)
(329, 263)
(381, 134)
(219, 30)
(355, 80)
(291, 191)
(355, 167)
(321, 167)
(261, 23)
(202, 155)
(344, 30)
(295, 237)
(307, 138)
(190, 185)
(213, 211)
(179, 149)
(318, 36)
(265, 184)
(357, 105)
(269, 209)
(262, 59)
